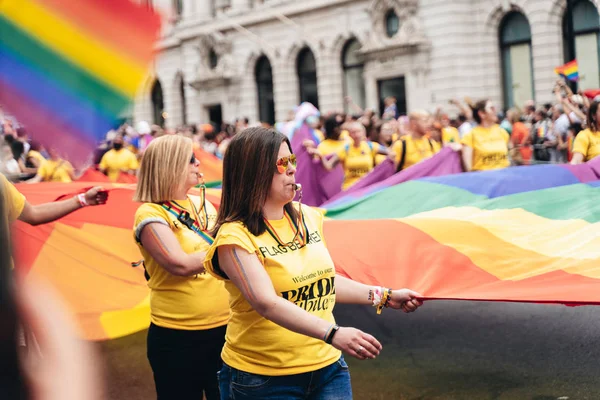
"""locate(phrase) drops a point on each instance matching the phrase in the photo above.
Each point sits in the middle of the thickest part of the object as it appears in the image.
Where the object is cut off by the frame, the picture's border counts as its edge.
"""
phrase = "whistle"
(297, 187)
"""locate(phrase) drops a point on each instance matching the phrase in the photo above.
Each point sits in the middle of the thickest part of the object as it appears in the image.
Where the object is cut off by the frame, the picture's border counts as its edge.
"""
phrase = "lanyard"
(184, 217)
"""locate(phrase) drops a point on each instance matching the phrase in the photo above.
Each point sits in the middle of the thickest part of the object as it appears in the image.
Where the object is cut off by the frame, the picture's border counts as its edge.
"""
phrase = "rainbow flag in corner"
(570, 70)
(69, 67)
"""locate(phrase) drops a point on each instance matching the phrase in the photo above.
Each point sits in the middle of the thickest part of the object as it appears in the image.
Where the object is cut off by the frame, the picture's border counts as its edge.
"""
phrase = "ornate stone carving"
(410, 36)
(225, 70)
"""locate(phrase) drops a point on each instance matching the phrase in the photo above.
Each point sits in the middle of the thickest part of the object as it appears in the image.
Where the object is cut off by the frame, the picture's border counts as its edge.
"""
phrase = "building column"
(202, 9)
(239, 6)
(285, 88)
(329, 81)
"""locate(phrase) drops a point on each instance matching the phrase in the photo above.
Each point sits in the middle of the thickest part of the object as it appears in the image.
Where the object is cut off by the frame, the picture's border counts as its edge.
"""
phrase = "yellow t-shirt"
(588, 144)
(36, 155)
(329, 146)
(357, 161)
(113, 162)
(417, 150)
(490, 147)
(303, 276)
(450, 135)
(14, 201)
(56, 171)
(182, 302)
(319, 135)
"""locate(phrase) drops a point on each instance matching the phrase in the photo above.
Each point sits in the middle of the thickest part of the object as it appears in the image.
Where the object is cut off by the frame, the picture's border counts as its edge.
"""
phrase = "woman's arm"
(331, 162)
(161, 243)
(577, 159)
(467, 158)
(249, 276)
(348, 291)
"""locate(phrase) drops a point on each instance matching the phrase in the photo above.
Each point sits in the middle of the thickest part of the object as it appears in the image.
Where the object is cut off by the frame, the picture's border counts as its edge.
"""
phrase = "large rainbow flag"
(526, 234)
(69, 68)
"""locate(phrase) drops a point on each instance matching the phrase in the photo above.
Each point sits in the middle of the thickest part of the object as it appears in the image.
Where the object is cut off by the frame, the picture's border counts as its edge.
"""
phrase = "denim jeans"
(328, 383)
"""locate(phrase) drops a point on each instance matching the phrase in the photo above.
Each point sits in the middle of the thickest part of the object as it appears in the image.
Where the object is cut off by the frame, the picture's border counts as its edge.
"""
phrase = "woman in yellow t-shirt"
(587, 142)
(188, 308)
(55, 169)
(357, 157)
(486, 146)
(282, 285)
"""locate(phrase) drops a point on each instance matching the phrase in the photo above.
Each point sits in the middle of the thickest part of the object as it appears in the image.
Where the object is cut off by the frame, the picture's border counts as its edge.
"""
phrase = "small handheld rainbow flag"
(570, 70)
(68, 68)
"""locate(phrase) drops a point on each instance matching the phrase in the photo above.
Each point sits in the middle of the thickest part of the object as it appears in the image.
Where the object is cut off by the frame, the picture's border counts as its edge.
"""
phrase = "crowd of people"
(487, 137)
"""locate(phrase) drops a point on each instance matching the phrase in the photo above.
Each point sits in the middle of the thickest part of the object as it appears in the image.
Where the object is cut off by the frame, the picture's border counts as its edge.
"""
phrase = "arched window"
(264, 85)
(158, 105)
(307, 77)
(353, 66)
(182, 101)
(515, 48)
(581, 29)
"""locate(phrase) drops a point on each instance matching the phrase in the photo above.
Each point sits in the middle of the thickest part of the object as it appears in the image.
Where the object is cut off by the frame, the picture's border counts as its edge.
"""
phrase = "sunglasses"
(283, 162)
(193, 160)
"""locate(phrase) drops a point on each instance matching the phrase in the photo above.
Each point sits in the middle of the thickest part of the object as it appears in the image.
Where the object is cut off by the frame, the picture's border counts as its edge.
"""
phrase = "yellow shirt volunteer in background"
(14, 201)
(417, 150)
(330, 146)
(450, 135)
(303, 276)
(115, 161)
(357, 161)
(490, 147)
(36, 155)
(56, 171)
(588, 144)
(182, 302)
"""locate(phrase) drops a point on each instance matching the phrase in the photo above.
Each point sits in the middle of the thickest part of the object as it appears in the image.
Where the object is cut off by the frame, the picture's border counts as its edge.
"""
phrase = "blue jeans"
(328, 383)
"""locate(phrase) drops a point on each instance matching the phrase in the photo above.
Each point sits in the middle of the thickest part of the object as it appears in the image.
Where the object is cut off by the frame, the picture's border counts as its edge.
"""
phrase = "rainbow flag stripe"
(69, 68)
(570, 70)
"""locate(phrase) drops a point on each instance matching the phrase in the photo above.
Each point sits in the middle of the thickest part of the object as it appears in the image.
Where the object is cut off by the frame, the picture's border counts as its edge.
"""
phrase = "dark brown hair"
(477, 107)
(248, 169)
(592, 121)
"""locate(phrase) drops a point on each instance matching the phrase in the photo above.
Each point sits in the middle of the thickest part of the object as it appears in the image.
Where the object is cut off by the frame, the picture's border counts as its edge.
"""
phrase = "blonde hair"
(163, 168)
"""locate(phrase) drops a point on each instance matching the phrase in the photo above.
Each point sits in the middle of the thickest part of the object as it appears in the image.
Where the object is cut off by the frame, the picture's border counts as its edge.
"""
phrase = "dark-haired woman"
(486, 146)
(587, 142)
(282, 340)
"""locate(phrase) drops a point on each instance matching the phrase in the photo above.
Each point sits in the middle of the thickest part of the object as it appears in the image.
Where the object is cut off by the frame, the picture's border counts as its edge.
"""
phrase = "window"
(213, 59)
(515, 48)
(183, 101)
(581, 28)
(158, 106)
(264, 85)
(392, 23)
(353, 67)
(307, 77)
(178, 6)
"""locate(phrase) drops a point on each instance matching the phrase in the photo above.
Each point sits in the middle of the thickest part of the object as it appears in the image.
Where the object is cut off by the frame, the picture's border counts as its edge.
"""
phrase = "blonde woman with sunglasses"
(188, 308)
(282, 341)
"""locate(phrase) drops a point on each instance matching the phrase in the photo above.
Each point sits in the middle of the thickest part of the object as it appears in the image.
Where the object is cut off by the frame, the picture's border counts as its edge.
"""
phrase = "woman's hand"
(405, 299)
(308, 144)
(356, 343)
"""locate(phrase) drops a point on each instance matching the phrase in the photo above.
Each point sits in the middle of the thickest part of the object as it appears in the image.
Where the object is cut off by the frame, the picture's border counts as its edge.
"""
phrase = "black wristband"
(332, 334)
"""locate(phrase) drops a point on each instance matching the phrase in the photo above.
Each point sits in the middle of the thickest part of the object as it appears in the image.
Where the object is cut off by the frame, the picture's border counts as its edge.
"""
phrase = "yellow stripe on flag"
(115, 69)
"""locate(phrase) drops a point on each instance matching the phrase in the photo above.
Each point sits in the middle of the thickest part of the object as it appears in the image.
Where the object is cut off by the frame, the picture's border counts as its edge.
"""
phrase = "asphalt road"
(446, 350)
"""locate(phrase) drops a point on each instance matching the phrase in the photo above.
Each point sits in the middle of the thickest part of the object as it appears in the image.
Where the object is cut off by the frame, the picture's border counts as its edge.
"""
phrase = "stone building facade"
(224, 59)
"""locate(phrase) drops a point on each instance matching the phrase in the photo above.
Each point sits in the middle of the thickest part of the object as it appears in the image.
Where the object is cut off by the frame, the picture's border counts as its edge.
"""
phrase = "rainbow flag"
(570, 70)
(527, 234)
(69, 68)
